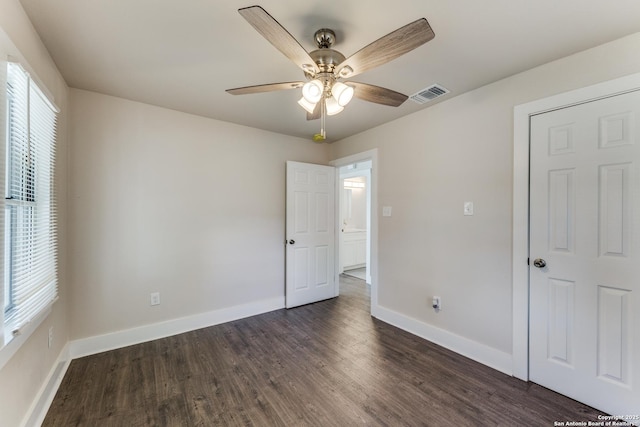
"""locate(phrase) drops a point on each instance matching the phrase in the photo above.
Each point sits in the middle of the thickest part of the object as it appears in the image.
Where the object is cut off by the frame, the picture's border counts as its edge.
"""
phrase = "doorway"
(355, 220)
(361, 229)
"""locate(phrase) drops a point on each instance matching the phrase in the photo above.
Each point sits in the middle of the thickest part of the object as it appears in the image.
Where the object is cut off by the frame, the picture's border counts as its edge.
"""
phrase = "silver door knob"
(539, 262)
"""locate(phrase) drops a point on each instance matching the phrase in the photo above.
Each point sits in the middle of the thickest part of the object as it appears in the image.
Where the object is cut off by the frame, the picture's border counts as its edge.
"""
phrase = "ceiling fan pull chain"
(319, 137)
(323, 118)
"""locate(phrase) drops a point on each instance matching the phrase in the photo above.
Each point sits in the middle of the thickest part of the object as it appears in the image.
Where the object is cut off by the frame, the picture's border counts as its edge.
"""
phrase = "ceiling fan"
(323, 93)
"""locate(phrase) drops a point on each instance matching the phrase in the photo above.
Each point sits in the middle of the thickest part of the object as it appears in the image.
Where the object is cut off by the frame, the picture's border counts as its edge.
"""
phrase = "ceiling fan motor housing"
(327, 59)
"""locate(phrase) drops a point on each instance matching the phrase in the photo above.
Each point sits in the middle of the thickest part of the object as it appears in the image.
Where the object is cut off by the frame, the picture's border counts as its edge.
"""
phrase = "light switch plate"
(468, 208)
(386, 211)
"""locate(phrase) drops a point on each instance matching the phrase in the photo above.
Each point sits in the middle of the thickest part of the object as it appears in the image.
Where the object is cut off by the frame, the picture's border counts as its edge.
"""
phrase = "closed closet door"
(585, 253)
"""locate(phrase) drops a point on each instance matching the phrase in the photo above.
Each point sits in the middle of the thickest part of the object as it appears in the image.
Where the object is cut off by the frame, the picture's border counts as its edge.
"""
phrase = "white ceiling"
(182, 55)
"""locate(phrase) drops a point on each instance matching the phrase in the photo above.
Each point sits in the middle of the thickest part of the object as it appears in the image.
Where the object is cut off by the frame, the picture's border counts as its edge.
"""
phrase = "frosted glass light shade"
(312, 91)
(342, 93)
(309, 106)
(333, 107)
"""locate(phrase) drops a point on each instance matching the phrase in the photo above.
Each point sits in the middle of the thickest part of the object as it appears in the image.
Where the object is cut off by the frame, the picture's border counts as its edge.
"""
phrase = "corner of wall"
(474, 350)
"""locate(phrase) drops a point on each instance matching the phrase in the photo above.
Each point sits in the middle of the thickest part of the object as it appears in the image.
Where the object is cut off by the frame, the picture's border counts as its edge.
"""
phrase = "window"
(30, 246)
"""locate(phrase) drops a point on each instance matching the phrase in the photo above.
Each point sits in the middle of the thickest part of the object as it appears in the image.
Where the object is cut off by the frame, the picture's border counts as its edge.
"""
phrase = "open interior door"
(310, 234)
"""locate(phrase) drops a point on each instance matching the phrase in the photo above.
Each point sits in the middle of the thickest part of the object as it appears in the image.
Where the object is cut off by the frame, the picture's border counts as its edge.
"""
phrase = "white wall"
(27, 372)
(456, 151)
(162, 201)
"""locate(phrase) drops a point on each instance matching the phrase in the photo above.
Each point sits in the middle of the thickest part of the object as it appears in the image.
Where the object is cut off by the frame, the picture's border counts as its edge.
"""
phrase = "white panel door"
(310, 233)
(585, 224)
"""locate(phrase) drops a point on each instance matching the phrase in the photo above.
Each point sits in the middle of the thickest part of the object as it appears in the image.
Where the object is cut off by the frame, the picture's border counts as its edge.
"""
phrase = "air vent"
(429, 94)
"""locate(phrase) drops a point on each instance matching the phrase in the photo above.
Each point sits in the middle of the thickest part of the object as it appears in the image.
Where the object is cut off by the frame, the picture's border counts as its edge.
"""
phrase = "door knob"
(539, 262)
(291, 242)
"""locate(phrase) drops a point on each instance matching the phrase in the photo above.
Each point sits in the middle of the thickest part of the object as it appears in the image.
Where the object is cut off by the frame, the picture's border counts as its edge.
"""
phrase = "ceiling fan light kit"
(335, 95)
(323, 94)
(312, 91)
(333, 107)
(342, 93)
(309, 106)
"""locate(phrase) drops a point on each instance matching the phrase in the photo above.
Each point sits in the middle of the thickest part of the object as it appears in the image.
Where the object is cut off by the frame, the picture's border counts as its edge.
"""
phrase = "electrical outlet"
(436, 303)
(155, 298)
(468, 208)
(50, 341)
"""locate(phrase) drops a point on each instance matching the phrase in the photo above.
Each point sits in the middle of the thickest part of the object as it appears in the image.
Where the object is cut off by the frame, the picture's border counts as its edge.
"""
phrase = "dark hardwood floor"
(324, 364)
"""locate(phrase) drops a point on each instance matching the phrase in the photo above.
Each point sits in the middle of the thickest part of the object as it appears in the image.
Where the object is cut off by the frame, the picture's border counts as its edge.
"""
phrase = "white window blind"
(30, 214)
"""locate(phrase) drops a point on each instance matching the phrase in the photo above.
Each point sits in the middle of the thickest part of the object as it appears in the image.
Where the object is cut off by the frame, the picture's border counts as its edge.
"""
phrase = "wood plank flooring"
(324, 364)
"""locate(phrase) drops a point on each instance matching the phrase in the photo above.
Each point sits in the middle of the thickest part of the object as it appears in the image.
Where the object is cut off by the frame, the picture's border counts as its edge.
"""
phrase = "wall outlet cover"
(468, 208)
(155, 298)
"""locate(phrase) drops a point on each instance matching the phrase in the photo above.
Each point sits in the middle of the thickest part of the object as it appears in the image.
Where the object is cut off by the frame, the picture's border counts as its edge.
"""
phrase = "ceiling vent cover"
(429, 94)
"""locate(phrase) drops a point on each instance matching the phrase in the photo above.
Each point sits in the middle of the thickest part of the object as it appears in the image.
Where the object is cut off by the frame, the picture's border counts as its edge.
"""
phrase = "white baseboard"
(86, 346)
(92, 345)
(474, 350)
(38, 410)
(97, 344)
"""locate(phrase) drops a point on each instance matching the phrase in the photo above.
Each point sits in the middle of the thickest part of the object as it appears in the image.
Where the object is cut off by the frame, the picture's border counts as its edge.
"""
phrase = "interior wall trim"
(111, 341)
(97, 344)
(40, 406)
(474, 350)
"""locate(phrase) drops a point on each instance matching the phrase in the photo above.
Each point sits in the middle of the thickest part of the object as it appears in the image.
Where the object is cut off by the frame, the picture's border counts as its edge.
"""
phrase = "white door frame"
(338, 163)
(520, 249)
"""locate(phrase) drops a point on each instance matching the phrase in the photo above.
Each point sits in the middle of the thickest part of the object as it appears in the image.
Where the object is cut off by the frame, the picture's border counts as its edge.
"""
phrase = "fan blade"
(317, 112)
(278, 36)
(264, 88)
(387, 48)
(377, 94)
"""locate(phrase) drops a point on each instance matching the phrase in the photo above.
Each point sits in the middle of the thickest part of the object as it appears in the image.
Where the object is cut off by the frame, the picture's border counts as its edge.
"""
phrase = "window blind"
(30, 205)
